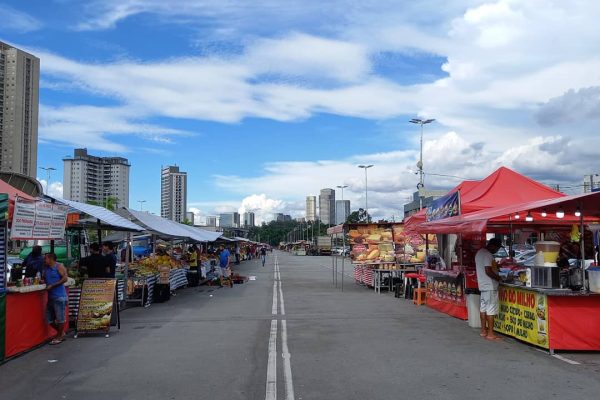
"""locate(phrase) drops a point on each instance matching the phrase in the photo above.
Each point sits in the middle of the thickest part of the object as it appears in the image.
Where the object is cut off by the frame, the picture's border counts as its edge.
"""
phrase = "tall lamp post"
(342, 187)
(48, 172)
(366, 167)
(141, 204)
(421, 122)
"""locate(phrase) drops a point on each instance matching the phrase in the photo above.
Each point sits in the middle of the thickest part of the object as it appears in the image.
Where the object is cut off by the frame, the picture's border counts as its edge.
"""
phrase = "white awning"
(108, 219)
(163, 226)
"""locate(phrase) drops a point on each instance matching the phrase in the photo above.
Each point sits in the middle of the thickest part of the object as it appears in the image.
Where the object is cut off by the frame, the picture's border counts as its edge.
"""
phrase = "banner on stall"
(523, 315)
(96, 305)
(38, 220)
(444, 207)
(4, 203)
(445, 293)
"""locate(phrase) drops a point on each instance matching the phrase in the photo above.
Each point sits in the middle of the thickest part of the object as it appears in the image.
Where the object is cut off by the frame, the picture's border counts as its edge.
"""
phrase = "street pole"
(141, 204)
(421, 183)
(366, 167)
(48, 172)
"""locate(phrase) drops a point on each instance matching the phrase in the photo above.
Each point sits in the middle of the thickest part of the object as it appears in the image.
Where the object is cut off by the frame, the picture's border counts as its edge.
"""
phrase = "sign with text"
(444, 207)
(523, 315)
(38, 220)
(96, 305)
(164, 275)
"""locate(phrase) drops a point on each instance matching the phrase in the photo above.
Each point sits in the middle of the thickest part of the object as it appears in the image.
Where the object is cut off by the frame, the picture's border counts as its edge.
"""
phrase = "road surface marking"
(274, 308)
(287, 363)
(271, 393)
(565, 359)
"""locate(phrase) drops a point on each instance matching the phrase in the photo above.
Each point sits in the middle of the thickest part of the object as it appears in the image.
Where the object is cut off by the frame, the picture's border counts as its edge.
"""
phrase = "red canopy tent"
(504, 187)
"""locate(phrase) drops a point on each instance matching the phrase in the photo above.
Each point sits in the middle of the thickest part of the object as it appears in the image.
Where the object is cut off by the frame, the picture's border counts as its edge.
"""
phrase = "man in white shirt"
(488, 279)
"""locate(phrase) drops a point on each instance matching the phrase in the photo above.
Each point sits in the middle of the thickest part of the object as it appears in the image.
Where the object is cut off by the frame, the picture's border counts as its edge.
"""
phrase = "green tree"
(358, 217)
(109, 203)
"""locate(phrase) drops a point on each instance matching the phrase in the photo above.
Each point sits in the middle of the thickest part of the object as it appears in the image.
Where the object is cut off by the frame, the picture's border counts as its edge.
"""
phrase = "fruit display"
(149, 265)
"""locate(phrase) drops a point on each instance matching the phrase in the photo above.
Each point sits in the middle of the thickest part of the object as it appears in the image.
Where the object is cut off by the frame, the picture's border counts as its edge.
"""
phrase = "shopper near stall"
(238, 253)
(193, 258)
(263, 255)
(96, 264)
(488, 280)
(55, 277)
(34, 262)
(224, 256)
(108, 251)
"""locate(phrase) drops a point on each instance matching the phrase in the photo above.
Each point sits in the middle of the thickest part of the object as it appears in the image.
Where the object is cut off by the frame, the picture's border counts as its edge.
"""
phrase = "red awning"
(480, 221)
(12, 191)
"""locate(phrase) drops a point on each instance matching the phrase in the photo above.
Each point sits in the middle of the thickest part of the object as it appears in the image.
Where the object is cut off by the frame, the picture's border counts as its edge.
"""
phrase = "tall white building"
(249, 219)
(90, 178)
(342, 211)
(311, 208)
(173, 193)
(19, 103)
(327, 206)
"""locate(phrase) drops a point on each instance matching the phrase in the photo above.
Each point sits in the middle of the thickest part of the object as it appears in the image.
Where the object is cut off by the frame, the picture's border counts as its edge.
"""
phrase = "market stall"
(451, 275)
(537, 305)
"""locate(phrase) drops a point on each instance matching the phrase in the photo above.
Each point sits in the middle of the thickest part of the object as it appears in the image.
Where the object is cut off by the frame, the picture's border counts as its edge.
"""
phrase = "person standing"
(34, 262)
(193, 258)
(96, 264)
(55, 277)
(108, 251)
(263, 255)
(224, 256)
(488, 280)
(238, 252)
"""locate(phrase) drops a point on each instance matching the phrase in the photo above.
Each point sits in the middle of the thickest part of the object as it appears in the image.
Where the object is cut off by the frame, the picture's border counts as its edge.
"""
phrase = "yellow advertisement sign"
(523, 315)
(96, 305)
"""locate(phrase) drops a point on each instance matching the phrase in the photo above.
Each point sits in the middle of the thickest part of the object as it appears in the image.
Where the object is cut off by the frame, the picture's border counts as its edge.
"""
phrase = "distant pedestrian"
(238, 253)
(97, 266)
(108, 251)
(263, 255)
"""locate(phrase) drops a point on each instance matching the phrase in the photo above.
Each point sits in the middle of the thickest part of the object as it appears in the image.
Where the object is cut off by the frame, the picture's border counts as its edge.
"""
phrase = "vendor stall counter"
(26, 325)
(554, 319)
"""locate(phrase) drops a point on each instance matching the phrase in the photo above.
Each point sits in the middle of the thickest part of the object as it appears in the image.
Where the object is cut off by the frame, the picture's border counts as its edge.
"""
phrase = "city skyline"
(500, 94)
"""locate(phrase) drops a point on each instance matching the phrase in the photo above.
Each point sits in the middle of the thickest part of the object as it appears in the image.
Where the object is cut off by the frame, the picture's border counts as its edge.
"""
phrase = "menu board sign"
(523, 315)
(445, 287)
(444, 207)
(96, 305)
(38, 220)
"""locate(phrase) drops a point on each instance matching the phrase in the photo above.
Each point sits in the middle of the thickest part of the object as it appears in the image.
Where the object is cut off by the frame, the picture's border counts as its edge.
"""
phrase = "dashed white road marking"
(278, 308)
(565, 359)
(271, 390)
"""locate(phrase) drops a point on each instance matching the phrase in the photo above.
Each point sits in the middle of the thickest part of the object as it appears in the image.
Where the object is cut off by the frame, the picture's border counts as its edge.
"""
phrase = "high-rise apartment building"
(229, 220)
(327, 206)
(173, 193)
(19, 103)
(311, 208)
(342, 211)
(211, 220)
(249, 219)
(90, 178)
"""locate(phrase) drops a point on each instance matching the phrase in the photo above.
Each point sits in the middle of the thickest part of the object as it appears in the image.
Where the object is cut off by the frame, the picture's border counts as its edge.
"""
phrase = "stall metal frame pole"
(582, 248)
(343, 253)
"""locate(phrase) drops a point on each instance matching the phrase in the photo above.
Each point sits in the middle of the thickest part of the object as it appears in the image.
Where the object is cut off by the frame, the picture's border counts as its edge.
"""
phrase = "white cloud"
(18, 21)
(262, 206)
(55, 189)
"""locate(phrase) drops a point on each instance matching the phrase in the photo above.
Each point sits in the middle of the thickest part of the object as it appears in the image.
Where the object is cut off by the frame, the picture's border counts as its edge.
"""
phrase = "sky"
(265, 102)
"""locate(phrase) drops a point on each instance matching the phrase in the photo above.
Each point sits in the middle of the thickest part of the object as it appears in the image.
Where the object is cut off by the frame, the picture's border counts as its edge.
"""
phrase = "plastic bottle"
(528, 277)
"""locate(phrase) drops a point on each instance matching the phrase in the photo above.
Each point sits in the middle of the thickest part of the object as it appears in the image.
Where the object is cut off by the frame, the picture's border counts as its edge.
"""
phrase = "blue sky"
(263, 103)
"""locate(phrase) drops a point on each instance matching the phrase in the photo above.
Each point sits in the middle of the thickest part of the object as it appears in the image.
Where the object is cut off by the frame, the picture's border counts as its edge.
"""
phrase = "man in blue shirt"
(224, 256)
(55, 277)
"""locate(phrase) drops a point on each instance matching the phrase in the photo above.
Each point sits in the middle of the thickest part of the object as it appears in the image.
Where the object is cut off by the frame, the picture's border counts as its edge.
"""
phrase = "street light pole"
(342, 187)
(421, 122)
(366, 167)
(48, 172)
(141, 204)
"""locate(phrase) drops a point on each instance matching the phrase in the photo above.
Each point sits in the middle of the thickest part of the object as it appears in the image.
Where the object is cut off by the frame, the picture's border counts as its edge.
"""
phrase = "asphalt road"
(319, 343)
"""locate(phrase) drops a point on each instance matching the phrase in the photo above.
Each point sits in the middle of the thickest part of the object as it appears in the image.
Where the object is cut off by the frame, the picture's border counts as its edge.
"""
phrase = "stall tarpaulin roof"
(479, 221)
(163, 226)
(504, 187)
(108, 219)
(13, 191)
